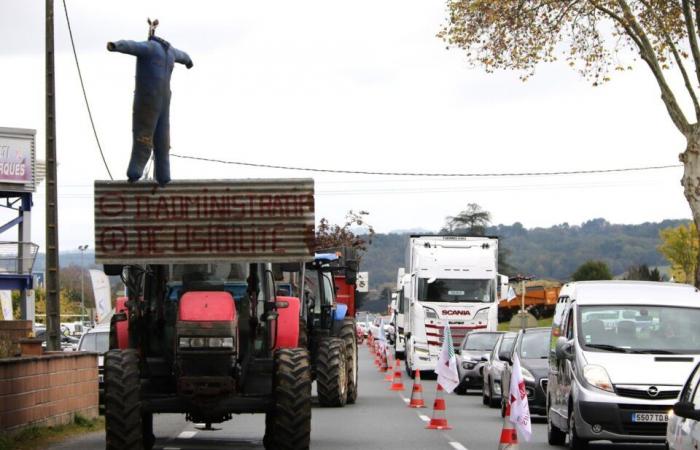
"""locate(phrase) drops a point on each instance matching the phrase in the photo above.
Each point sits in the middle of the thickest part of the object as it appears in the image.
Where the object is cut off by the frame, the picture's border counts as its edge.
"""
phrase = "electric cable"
(428, 174)
(82, 85)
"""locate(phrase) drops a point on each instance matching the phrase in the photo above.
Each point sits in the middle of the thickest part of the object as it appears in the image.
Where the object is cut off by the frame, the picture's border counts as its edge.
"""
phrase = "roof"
(632, 293)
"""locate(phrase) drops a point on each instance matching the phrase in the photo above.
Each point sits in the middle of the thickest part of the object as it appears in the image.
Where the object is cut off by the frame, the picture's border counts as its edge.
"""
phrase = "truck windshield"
(455, 290)
(639, 329)
(95, 342)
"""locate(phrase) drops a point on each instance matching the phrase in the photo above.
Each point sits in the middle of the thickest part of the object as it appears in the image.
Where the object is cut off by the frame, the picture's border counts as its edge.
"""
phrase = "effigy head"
(152, 27)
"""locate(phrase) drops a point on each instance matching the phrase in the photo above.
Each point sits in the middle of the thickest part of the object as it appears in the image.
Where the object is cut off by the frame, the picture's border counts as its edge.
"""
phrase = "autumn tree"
(592, 270)
(679, 246)
(594, 36)
(333, 235)
(642, 272)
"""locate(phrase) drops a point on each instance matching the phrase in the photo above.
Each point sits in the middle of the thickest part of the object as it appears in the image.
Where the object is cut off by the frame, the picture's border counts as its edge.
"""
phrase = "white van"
(619, 356)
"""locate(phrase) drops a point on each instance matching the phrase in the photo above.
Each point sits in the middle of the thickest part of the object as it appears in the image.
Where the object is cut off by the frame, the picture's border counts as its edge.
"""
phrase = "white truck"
(450, 279)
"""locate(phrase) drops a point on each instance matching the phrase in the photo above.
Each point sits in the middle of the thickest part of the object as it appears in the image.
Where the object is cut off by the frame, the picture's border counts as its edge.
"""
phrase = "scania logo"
(653, 391)
(456, 312)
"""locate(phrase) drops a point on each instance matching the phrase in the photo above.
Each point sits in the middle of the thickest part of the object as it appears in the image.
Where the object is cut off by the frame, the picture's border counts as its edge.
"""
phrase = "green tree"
(472, 221)
(595, 37)
(332, 235)
(680, 247)
(643, 273)
(592, 270)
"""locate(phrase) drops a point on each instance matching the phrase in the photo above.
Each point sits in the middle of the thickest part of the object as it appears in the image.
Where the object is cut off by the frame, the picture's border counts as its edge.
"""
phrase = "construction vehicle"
(205, 352)
(540, 301)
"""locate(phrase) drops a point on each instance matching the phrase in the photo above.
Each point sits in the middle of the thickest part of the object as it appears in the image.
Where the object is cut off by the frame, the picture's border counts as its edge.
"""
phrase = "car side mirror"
(564, 348)
(686, 410)
(458, 351)
(484, 358)
(505, 356)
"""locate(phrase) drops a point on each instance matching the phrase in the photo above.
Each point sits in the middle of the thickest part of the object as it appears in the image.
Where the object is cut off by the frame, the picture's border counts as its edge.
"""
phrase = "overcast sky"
(362, 86)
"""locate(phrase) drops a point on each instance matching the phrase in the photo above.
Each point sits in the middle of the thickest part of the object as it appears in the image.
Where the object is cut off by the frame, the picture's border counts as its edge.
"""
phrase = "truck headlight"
(206, 342)
(597, 376)
(430, 313)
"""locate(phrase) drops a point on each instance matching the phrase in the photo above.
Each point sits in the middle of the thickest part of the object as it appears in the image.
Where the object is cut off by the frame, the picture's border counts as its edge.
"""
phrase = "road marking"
(186, 435)
(424, 418)
(457, 446)
(405, 399)
(171, 448)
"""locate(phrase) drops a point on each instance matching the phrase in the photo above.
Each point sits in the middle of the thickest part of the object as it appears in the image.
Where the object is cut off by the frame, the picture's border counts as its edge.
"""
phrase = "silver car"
(472, 355)
(494, 367)
(683, 431)
(619, 356)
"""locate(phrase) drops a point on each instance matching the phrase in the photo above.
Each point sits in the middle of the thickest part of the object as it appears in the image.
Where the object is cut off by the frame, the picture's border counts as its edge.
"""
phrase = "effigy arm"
(129, 47)
(183, 58)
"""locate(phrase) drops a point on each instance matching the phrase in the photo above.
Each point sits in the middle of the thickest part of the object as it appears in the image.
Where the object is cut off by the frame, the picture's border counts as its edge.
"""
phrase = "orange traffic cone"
(397, 384)
(417, 393)
(509, 436)
(383, 367)
(439, 421)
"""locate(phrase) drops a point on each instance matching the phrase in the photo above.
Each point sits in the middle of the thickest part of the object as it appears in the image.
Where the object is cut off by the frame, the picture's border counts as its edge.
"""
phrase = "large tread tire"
(288, 425)
(348, 333)
(123, 416)
(331, 373)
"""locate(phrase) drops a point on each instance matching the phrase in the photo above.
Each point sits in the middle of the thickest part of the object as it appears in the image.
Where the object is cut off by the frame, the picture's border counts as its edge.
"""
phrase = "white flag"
(511, 293)
(519, 407)
(6, 302)
(103, 300)
(382, 335)
(446, 369)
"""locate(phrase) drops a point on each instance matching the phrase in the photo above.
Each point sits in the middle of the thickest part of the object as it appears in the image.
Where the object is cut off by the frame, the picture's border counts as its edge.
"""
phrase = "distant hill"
(553, 252)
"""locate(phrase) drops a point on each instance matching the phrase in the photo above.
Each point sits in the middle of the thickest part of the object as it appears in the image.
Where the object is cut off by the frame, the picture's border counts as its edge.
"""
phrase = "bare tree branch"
(692, 37)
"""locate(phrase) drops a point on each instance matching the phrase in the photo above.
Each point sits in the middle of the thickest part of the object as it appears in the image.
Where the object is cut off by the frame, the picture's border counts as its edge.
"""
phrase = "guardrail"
(17, 258)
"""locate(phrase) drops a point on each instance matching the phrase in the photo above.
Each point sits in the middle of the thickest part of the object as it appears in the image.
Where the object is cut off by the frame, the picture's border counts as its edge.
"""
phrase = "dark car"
(493, 369)
(473, 354)
(532, 348)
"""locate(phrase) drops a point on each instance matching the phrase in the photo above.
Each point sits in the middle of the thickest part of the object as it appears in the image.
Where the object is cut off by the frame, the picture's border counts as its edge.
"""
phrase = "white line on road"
(405, 399)
(171, 448)
(424, 418)
(457, 446)
(186, 435)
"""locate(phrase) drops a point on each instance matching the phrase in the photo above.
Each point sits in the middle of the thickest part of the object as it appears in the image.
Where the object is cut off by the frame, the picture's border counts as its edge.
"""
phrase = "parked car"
(683, 432)
(471, 357)
(493, 369)
(68, 343)
(617, 381)
(97, 340)
(532, 348)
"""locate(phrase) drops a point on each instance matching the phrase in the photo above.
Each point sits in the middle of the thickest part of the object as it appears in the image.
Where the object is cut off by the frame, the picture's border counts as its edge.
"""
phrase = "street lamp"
(82, 249)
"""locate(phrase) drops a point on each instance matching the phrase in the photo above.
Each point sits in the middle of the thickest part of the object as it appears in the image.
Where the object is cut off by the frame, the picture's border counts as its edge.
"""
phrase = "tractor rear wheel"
(288, 425)
(331, 372)
(348, 333)
(123, 417)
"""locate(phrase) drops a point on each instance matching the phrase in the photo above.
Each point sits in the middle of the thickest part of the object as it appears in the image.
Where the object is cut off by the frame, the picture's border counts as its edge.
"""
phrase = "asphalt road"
(379, 420)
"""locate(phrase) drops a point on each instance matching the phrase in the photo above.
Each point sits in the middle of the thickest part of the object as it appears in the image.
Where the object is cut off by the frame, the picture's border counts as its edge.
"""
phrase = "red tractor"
(190, 341)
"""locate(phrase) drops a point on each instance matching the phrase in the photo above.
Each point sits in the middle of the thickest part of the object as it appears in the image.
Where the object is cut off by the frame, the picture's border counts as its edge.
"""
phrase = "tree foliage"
(643, 273)
(595, 37)
(333, 235)
(680, 247)
(472, 221)
(592, 270)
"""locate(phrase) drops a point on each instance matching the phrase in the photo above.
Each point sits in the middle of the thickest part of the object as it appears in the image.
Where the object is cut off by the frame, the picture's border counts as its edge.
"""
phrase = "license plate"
(650, 417)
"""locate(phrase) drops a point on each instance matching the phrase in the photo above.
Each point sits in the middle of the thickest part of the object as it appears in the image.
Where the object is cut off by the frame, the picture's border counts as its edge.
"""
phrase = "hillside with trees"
(554, 253)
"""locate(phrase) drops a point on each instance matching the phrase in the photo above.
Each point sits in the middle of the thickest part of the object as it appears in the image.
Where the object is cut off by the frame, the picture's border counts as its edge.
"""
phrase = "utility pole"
(522, 279)
(82, 249)
(53, 313)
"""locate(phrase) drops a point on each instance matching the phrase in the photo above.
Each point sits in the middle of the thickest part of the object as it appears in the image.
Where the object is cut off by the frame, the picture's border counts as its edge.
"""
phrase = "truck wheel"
(575, 442)
(348, 334)
(123, 417)
(288, 425)
(331, 373)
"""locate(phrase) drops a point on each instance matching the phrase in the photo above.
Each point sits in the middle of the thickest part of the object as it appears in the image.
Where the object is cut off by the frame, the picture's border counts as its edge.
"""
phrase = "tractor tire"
(348, 334)
(288, 425)
(124, 424)
(332, 373)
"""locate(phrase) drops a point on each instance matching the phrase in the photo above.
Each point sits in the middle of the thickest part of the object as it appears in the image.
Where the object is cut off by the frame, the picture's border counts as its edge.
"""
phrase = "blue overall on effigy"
(151, 118)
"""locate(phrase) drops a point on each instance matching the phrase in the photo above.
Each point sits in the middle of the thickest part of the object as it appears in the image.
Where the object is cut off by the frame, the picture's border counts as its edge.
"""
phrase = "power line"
(428, 174)
(82, 85)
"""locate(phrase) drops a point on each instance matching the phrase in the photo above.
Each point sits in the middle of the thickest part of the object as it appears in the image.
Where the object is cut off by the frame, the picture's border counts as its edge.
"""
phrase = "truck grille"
(642, 392)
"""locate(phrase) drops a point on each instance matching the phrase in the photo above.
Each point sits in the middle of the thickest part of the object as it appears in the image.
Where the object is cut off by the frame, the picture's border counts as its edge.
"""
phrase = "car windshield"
(534, 345)
(95, 342)
(640, 329)
(480, 341)
(455, 290)
(507, 344)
